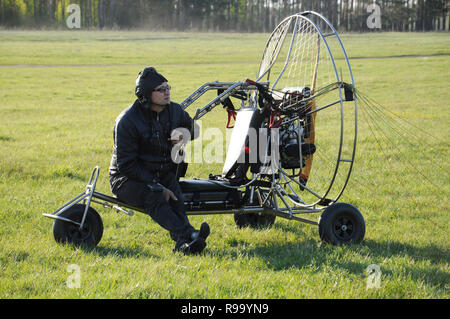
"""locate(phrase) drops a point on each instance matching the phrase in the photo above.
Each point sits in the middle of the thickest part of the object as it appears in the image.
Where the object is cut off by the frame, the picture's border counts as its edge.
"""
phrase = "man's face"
(161, 94)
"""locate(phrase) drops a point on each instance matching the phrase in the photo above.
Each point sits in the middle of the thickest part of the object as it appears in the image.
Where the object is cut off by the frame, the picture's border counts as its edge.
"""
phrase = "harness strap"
(231, 114)
(275, 119)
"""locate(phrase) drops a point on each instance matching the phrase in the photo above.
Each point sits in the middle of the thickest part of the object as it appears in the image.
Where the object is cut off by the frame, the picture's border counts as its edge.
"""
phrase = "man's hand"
(176, 137)
(168, 194)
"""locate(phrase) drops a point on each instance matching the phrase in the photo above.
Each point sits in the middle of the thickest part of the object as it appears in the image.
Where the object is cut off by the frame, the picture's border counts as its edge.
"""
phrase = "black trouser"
(170, 215)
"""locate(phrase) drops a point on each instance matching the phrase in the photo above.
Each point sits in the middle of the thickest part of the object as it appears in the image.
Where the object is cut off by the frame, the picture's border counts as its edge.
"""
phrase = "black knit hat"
(146, 82)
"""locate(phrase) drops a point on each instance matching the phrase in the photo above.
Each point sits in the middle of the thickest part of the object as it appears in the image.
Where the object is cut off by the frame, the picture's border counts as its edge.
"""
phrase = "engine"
(293, 148)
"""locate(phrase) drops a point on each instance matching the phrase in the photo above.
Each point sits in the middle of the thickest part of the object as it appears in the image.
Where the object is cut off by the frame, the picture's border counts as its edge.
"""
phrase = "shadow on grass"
(310, 252)
(289, 228)
(418, 263)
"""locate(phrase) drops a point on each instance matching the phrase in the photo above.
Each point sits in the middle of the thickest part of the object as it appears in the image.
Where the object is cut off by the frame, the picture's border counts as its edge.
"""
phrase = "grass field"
(59, 95)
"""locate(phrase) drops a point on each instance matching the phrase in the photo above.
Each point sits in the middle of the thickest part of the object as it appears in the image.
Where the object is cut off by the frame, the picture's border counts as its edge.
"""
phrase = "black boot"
(196, 243)
(203, 232)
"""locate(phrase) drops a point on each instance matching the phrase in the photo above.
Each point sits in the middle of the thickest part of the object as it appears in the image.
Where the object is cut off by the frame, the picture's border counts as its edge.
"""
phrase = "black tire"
(341, 223)
(254, 220)
(89, 235)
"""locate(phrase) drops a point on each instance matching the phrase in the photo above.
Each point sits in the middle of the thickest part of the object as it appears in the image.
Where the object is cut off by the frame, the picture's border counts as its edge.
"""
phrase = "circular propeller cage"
(305, 51)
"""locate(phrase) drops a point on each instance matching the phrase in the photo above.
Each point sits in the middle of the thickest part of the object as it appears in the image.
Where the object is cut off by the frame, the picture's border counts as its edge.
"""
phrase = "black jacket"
(141, 148)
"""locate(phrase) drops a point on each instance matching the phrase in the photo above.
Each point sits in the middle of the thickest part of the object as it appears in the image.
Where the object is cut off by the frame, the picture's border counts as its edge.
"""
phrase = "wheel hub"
(80, 234)
(343, 228)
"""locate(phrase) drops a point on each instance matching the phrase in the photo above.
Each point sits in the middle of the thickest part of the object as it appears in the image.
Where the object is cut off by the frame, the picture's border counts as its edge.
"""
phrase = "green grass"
(60, 93)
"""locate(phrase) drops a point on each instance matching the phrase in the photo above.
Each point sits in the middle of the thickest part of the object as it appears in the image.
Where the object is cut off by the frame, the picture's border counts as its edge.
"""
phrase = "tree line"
(222, 15)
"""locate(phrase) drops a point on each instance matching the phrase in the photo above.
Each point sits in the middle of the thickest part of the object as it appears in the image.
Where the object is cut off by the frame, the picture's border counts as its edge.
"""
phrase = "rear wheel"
(255, 220)
(67, 232)
(341, 223)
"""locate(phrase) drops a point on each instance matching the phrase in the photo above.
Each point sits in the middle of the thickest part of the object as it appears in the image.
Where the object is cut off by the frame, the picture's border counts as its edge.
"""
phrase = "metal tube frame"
(90, 196)
(229, 87)
(304, 15)
(86, 197)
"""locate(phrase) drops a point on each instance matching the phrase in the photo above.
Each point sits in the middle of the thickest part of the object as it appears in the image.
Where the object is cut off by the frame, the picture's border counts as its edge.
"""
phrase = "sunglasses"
(163, 89)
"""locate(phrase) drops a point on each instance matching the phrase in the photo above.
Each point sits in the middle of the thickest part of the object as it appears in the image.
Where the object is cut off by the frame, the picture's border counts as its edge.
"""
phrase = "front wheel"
(341, 223)
(67, 232)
